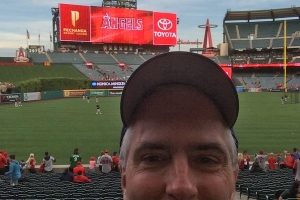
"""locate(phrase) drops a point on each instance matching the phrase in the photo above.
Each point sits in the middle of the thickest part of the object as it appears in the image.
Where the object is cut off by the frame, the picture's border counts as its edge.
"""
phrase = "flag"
(50, 37)
(39, 37)
(28, 35)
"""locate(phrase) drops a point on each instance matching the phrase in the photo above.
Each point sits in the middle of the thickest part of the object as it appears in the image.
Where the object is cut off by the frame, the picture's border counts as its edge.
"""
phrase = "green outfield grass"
(59, 126)
(16, 74)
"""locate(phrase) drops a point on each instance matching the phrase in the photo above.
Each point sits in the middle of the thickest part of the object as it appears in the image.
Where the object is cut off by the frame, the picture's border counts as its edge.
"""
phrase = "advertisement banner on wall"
(99, 93)
(115, 92)
(32, 96)
(9, 98)
(116, 25)
(74, 93)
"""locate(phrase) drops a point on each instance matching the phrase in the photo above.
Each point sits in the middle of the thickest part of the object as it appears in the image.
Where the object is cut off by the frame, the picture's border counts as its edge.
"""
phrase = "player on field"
(88, 99)
(74, 159)
(96, 99)
(98, 109)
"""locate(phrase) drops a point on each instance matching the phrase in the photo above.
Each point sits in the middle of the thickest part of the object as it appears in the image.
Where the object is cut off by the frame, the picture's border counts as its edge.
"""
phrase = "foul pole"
(284, 56)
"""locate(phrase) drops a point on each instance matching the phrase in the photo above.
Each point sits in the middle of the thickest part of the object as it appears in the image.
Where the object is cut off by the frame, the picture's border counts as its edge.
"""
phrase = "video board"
(116, 25)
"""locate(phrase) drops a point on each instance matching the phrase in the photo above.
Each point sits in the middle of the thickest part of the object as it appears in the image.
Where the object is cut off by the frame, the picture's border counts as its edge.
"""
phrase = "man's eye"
(208, 160)
(152, 158)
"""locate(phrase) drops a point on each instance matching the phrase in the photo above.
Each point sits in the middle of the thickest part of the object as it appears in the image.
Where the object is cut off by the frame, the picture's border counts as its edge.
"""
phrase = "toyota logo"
(164, 24)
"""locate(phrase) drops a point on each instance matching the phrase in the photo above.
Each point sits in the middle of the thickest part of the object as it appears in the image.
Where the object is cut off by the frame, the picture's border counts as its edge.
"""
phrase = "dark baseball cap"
(181, 68)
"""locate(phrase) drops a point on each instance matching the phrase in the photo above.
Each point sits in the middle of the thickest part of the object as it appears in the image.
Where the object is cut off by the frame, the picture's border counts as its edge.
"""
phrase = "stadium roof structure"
(272, 14)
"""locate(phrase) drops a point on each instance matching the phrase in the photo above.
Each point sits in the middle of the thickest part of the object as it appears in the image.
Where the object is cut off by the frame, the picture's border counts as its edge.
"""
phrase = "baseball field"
(59, 126)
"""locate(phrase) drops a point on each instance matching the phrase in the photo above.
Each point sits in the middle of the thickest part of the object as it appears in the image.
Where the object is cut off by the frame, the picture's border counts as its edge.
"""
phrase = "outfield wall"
(48, 95)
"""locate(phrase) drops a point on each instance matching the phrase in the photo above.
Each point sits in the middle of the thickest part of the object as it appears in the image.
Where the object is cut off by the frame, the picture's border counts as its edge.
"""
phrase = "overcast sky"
(35, 15)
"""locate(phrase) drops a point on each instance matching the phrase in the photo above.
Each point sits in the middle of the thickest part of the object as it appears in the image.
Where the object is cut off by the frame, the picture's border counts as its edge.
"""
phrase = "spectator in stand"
(241, 161)
(255, 167)
(116, 160)
(261, 158)
(8, 161)
(80, 178)
(78, 168)
(98, 160)
(31, 163)
(271, 161)
(296, 169)
(296, 154)
(48, 163)
(280, 161)
(14, 171)
(106, 161)
(246, 159)
(2, 163)
(74, 159)
(66, 176)
(289, 161)
(293, 192)
(92, 164)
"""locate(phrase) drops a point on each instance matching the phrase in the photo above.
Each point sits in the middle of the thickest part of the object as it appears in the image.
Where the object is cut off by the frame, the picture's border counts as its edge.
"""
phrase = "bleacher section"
(292, 27)
(232, 31)
(263, 43)
(240, 44)
(268, 29)
(129, 59)
(263, 186)
(245, 29)
(278, 43)
(224, 59)
(66, 58)
(99, 58)
(39, 57)
(147, 56)
(49, 186)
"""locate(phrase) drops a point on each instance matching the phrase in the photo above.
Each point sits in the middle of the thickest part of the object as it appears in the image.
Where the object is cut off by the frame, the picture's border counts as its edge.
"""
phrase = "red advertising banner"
(260, 65)
(164, 28)
(116, 25)
(74, 22)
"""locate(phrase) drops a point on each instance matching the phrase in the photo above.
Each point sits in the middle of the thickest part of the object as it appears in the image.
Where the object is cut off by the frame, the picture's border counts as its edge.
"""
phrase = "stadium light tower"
(129, 4)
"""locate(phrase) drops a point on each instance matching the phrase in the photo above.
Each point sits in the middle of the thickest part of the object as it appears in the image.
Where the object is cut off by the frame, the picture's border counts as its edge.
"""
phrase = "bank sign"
(80, 23)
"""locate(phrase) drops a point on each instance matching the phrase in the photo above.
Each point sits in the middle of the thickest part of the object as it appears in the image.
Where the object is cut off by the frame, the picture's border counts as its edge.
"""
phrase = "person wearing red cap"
(78, 168)
(179, 109)
(80, 178)
(92, 164)
(106, 161)
(280, 161)
(261, 158)
(3, 162)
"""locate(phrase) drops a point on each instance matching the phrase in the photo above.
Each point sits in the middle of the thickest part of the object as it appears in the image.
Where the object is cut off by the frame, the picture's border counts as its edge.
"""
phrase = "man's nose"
(180, 184)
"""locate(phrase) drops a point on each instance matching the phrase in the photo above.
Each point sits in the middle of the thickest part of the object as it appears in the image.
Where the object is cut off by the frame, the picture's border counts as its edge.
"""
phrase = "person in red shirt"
(31, 164)
(116, 160)
(271, 161)
(241, 161)
(78, 168)
(2, 163)
(79, 178)
(289, 161)
(246, 159)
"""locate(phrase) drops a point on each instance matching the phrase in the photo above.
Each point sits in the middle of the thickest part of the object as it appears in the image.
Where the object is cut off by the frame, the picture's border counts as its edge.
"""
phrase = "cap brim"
(181, 68)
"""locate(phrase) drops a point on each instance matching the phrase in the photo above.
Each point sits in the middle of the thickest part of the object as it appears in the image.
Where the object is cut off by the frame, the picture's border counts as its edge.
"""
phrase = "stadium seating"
(99, 58)
(245, 29)
(44, 186)
(39, 58)
(262, 43)
(240, 44)
(66, 58)
(268, 29)
(129, 59)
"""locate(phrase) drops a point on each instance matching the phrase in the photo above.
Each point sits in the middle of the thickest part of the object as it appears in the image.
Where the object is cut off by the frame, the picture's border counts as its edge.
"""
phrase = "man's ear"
(123, 181)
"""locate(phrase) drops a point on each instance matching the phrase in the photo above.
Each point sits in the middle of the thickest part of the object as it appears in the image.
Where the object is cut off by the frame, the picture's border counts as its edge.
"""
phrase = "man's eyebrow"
(151, 146)
(208, 146)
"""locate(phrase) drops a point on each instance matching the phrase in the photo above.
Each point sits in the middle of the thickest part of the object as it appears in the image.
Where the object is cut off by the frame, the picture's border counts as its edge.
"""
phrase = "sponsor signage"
(32, 96)
(115, 92)
(164, 28)
(116, 25)
(36, 48)
(8, 98)
(107, 84)
(74, 93)
(99, 93)
(74, 22)
(275, 90)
